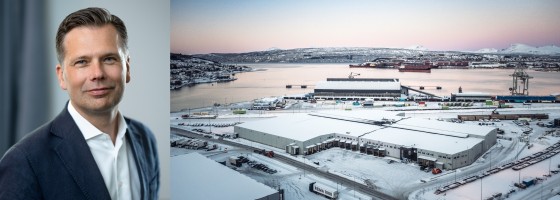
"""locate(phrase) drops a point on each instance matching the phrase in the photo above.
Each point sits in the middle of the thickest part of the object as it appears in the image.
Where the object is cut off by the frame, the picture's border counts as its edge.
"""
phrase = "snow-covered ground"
(294, 181)
(402, 180)
(388, 178)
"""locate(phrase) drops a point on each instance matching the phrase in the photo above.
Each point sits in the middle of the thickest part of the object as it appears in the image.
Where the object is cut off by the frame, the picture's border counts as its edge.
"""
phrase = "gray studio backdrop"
(30, 95)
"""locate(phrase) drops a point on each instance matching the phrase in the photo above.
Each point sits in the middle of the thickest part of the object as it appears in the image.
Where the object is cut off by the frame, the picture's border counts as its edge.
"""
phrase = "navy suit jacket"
(55, 162)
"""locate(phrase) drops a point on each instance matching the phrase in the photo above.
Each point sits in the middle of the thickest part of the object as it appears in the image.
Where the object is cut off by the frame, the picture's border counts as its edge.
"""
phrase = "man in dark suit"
(90, 150)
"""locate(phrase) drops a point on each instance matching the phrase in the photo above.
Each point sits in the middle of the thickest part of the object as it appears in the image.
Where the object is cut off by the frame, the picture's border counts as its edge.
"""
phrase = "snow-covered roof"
(267, 99)
(432, 135)
(471, 94)
(421, 140)
(443, 128)
(358, 85)
(197, 177)
(302, 127)
(364, 115)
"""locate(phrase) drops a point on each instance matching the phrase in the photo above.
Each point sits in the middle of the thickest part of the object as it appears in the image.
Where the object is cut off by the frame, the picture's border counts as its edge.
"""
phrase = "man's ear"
(127, 69)
(60, 76)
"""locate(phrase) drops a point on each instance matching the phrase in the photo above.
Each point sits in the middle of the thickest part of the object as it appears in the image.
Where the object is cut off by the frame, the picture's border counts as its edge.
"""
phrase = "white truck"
(324, 190)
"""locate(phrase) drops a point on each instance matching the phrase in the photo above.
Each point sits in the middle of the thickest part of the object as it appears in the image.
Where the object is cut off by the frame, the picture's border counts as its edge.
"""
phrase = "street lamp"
(354, 184)
(490, 154)
(304, 165)
(519, 177)
(549, 163)
(481, 188)
(453, 164)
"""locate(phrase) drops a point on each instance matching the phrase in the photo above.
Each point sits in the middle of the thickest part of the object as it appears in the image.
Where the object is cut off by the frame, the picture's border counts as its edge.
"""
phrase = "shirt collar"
(89, 130)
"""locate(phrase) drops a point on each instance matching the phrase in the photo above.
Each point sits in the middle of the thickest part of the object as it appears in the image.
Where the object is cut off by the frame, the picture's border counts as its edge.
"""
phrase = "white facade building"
(435, 143)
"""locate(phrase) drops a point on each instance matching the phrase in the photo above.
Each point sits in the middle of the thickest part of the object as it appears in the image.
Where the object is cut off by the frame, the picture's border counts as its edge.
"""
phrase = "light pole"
(455, 174)
(549, 163)
(304, 165)
(519, 177)
(209, 125)
(481, 188)
(490, 159)
(354, 184)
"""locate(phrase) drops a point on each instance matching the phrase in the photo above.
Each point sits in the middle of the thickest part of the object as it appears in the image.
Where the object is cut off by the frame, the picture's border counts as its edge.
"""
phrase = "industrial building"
(471, 96)
(358, 89)
(198, 177)
(427, 142)
(531, 99)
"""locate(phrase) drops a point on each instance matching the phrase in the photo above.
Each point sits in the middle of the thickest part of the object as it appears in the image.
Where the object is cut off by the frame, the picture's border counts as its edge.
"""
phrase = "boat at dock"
(363, 65)
(374, 64)
(416, 67)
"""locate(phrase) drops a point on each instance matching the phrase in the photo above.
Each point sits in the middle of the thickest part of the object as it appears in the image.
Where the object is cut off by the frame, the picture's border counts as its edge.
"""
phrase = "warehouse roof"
(443, 128)
(360, 115)
(197, 177)
(471, 94)
(421, 140)
(358, 85)
(302, 127)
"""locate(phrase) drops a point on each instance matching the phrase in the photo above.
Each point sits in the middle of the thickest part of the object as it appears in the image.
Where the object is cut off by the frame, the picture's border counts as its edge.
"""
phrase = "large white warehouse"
(427, 142)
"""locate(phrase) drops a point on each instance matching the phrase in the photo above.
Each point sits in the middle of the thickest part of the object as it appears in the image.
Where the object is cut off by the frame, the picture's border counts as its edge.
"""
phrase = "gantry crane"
(519, 75)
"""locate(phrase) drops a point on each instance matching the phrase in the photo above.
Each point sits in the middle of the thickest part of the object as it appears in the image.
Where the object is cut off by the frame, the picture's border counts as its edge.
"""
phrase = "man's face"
(94, 70)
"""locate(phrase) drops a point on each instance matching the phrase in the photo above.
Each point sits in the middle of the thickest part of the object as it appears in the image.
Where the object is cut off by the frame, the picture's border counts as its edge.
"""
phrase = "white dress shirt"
(115, 161)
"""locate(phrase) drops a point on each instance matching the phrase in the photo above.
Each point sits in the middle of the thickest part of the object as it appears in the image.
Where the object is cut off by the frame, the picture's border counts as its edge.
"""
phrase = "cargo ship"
(374, 65)
(416, 67)
(363, 65)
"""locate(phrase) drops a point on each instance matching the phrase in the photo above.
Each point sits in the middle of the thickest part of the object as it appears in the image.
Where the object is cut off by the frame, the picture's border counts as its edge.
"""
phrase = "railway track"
(291, 161)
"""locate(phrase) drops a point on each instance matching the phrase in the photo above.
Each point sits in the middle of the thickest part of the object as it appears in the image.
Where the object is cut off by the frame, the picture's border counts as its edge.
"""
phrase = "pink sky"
(210, 26)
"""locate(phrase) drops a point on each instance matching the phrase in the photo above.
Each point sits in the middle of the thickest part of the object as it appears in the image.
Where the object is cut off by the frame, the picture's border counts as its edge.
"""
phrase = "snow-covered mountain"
(361, 54)
(523, 49)
(417, 47)
(487, 50)
(519, 48)
(273, 49)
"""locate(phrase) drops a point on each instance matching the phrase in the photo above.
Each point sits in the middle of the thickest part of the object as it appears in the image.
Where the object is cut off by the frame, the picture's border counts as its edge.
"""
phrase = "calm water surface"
(273, 80)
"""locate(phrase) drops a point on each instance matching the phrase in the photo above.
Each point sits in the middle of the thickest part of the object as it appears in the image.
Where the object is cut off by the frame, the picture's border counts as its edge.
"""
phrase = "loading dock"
(427, 161)
(354, 146)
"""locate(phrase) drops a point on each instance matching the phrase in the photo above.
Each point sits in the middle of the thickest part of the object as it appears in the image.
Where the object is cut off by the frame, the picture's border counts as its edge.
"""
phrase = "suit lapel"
(140, 161)
(74, 152)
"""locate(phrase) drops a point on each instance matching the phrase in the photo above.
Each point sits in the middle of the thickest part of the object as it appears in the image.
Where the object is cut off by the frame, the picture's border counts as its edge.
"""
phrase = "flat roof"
(360, 115)
(358, 85)
(196, 177)
(443, 128)
(302, 126)
(438, 136)
(421, 140)
(471, 94)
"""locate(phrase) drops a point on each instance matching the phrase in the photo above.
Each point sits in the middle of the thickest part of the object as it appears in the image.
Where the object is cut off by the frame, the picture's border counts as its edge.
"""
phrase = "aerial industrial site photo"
(365, 100)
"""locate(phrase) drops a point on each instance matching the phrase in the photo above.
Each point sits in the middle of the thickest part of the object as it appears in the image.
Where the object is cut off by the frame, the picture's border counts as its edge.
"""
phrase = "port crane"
(352, 75)
(520, 76)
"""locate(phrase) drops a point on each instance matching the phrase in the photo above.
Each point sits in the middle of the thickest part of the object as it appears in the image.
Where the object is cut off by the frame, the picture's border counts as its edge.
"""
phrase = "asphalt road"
(291, 161)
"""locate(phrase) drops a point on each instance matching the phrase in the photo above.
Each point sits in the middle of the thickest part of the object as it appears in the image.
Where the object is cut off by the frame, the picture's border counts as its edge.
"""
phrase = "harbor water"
(271, 80)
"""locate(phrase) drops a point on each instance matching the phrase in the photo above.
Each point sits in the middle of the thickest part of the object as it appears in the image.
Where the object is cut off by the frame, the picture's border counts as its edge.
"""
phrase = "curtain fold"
(24, 99)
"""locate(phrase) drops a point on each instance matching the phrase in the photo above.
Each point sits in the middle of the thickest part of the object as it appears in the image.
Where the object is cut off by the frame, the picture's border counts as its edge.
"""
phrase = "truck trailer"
(324, 190)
